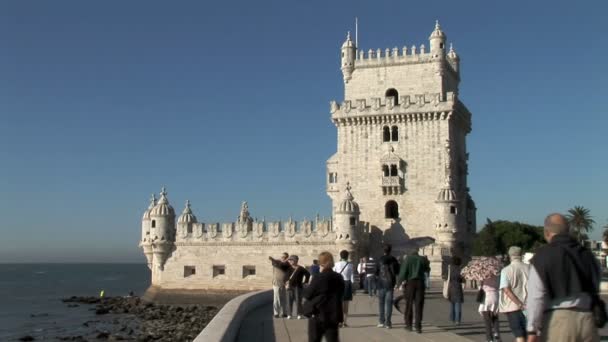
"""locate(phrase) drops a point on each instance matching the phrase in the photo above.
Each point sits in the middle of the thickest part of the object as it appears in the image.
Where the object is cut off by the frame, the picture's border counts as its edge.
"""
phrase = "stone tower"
(146, 241)
(162, 231)
(402, 146)
(346, 223)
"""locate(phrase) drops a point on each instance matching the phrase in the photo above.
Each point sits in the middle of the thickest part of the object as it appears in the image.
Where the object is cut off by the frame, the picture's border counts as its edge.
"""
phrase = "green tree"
(487, 243)
(496, 237)
(581, 222)
(605, 234)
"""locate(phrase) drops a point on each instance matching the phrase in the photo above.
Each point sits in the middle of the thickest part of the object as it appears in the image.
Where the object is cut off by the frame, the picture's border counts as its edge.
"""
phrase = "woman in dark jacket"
(324, 302)
(455, 293)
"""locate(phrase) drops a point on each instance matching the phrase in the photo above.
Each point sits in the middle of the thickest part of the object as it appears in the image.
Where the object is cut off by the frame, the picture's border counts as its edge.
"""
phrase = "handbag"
(481, 296)
(446, 283)
(311, 307)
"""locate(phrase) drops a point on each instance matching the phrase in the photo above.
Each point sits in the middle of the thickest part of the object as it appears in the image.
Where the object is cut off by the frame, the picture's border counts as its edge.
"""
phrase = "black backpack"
(386, 276)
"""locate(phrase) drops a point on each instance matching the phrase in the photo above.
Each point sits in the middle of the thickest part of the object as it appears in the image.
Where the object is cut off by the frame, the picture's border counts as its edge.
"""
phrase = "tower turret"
(186, 221)
(347, 60)
(448, 207)
(162, 229)
(347, 223)
(454, 59)
(437, 41)
(145, 242)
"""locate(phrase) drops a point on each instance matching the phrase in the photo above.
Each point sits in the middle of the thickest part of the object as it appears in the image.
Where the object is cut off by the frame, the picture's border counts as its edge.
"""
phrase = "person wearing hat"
(296, 277)
(514, 292)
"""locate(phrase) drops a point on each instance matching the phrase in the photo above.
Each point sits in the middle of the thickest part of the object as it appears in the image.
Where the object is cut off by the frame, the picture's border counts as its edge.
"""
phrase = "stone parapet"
(414, 103)
(259, 231)
(224, 327)
(410, 108)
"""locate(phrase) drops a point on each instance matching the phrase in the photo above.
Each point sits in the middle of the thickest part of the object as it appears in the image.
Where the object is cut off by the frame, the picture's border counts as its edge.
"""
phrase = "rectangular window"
(248, 271)
(353, 221)
(219, 270)
(333, 177)
(452, 210)
(189, 271)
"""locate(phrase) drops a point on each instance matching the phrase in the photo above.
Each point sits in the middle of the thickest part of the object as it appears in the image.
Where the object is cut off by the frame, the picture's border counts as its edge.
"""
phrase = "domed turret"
(186, 221)
(447, 216)
(146, 243)
(454, 59)
(347, 60)
(146, 216)
(347, 218)
(162, 208)
(348, 204)
(162, 229)
(187, 216)
(437, 41)
(446, 195)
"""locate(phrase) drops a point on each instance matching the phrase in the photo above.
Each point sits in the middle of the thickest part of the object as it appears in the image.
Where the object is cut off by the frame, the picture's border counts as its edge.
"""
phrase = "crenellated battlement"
(256, 231)
(407, 104)
(396, 56)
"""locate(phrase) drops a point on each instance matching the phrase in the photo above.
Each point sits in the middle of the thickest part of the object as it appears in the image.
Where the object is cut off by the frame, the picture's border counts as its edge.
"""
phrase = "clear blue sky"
(102, 103)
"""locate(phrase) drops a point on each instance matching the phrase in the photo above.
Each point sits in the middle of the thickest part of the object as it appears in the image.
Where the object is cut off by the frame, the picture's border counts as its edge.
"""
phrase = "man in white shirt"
(514, 292)
(345, 269)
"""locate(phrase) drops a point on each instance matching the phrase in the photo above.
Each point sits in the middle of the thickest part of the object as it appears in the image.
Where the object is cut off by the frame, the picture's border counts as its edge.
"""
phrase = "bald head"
(556, 224)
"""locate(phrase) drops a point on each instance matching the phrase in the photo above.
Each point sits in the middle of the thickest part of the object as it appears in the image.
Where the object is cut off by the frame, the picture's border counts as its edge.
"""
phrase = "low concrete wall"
(224, 327)
(215, 298)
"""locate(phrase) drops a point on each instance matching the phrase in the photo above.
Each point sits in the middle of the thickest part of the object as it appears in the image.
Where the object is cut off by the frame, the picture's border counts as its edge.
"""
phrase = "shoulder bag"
(446, 283)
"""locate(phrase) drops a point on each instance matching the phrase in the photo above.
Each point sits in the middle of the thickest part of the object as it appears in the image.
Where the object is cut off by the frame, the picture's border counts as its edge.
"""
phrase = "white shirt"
(347, 272)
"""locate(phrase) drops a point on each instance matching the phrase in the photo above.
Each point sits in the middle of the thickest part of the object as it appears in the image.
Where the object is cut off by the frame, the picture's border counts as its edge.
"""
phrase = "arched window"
(391, 210)
(385, 171)
(393, 170)
(393, 92)
(386, 134)
(153, 223)
(394, 133)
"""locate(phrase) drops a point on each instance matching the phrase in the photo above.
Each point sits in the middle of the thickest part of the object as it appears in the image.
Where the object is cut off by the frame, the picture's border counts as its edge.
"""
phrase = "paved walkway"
(260, 326)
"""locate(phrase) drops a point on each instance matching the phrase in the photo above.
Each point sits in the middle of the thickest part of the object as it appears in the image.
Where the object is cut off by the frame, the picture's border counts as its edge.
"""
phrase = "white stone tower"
(347, 58)
(402, 145)
(162, 231)
(346, 223)
(146, 241)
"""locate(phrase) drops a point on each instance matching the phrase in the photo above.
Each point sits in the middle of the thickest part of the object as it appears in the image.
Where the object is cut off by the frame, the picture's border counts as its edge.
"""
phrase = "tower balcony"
(392, 185)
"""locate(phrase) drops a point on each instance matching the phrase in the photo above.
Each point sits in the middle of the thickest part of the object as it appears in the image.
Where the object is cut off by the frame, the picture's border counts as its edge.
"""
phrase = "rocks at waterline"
(131, 318)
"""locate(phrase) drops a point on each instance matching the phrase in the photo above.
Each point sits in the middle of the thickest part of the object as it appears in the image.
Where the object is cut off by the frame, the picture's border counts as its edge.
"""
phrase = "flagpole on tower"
(357, 33)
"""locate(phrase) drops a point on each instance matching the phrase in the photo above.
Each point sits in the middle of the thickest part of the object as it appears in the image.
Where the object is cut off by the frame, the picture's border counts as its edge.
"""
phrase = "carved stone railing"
(391, 181)
(319, 229)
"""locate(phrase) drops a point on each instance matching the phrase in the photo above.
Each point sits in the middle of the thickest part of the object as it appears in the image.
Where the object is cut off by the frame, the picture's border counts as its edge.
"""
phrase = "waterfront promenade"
(260, 326)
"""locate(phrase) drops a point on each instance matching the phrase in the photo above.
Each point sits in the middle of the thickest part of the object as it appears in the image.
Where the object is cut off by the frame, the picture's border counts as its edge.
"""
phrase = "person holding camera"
(279, 269)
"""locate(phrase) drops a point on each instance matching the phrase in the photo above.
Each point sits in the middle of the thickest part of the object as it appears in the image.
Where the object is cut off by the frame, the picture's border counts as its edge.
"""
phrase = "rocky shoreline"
(132, 319)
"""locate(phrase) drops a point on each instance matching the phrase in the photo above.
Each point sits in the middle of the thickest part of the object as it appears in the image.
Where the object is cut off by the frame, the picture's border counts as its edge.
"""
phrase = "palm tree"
(580, 220)
(605, 235)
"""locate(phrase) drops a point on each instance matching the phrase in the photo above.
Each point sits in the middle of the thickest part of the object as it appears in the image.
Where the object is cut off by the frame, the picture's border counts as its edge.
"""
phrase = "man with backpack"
(413, 272)
(388, 267)
(563, 302)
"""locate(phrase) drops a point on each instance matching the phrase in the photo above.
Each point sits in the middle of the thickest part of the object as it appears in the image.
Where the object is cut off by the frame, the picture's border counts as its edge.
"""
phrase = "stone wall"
(237, 259)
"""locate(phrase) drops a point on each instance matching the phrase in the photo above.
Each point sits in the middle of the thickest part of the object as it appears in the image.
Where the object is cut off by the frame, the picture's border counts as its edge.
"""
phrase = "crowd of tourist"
(553, 298)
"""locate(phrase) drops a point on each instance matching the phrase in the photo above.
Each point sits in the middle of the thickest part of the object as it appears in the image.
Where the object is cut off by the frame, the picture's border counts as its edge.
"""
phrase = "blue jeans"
(385, 306)
(371, 285)
(455, 312)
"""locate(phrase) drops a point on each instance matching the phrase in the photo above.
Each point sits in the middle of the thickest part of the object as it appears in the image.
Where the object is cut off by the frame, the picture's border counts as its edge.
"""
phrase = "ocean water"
(30, 295)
